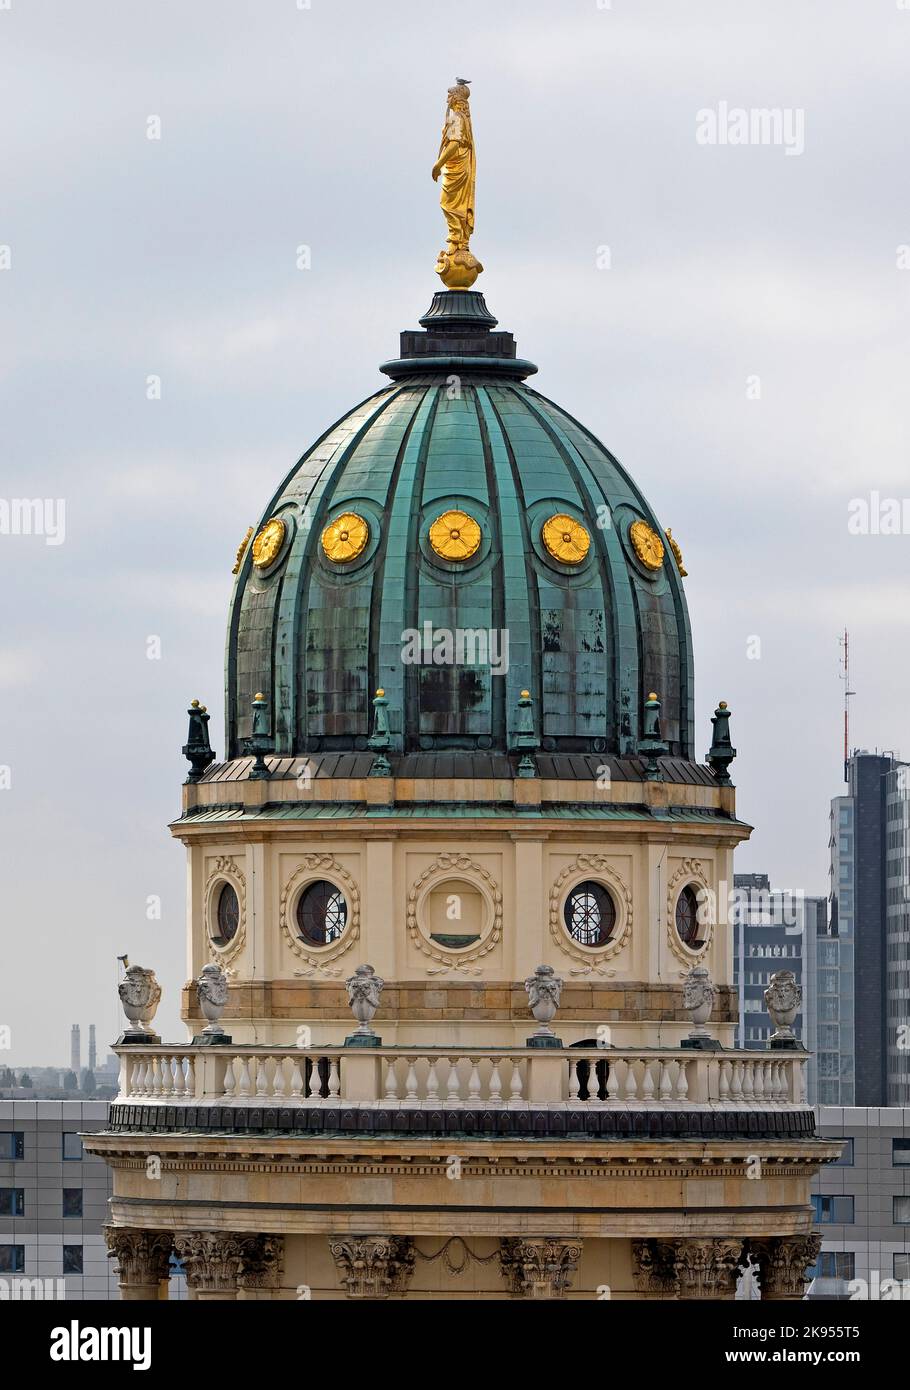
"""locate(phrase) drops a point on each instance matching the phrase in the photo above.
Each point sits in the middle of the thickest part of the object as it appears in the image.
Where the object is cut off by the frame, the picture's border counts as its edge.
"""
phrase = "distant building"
(870, 918)
(75, 1049)
(53, 1200)
(828, 1008)
(862, 1204)
(92, 1049)
(54, 1204)
(770, 930)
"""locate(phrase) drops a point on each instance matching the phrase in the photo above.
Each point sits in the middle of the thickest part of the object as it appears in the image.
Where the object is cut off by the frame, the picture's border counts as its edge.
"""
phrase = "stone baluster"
(189, 1086)
(515, 1085)
(453, 1084)
(262, 1077)
(411, 1100)
(724, 1083)
(432, 1083)
(665, 1089)
(334, 1080)
(244, 1085)
(758, 1089)
(279, 1090)
(474, 1084)
(574, 1084)
(682, 1082)
(391, 1080)
(296, 1079)
(230, 1081)
(613, 1081)
(736, 1085)
(631, 1082)
(495, 1084)
(593, 1083)
(647, 1085)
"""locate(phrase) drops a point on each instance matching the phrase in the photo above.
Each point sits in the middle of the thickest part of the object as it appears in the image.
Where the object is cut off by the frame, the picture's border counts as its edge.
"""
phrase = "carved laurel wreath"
(583, 867)
(226, 870)
(690, 871)
(439, 869)
(314, 866)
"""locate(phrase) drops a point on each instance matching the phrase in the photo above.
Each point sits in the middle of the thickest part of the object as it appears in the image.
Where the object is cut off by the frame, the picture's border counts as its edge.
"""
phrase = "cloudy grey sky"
(283, 126)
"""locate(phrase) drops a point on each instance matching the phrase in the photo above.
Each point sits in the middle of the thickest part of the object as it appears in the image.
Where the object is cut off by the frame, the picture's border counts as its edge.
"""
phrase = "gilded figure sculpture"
(456, 166)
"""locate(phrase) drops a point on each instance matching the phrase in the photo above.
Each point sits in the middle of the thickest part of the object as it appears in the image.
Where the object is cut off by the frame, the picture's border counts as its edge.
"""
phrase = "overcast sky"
(282, 126)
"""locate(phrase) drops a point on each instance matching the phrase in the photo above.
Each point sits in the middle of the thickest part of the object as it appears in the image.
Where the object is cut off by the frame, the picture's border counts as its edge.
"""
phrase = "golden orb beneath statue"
(267, 545)
(457, 269)
(566, 539)
(345, 538)
(647, 545)
(455, 535)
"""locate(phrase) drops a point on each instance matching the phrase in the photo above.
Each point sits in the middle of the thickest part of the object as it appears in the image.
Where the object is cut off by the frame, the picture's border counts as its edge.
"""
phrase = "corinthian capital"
(707, 1268)
(142, 1256)
(539, 1268)
(212, 1260)
(782, 1263)
(373, 1266)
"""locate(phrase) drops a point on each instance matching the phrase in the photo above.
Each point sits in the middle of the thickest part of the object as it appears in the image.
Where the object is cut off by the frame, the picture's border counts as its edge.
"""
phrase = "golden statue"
(457, 163)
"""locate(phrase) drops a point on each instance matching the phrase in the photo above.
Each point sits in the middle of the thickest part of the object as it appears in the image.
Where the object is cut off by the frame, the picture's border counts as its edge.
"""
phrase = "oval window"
(590, 914)
(322, 913)
(227, 916)
(687, 923)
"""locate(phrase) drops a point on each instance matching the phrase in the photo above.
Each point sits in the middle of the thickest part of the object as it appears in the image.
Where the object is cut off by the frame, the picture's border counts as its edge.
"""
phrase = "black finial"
(261, 741)
(526, 740)
(651, 746)
(197, 749)
(380, 739)
(721, 753)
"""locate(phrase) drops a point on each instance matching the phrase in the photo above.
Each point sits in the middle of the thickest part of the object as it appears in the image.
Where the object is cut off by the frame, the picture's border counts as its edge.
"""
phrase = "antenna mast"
(845, 677)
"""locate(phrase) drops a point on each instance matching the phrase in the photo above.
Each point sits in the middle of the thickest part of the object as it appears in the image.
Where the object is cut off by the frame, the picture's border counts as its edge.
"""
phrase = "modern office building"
(828, 1011)
(772, 929)
(870, 920)
(75, 1049)
(92, 1048)
(862, 1204)
(53, 1202)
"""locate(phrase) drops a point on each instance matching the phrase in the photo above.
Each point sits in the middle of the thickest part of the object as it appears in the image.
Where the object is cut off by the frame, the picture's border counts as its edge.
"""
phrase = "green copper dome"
(544, 574)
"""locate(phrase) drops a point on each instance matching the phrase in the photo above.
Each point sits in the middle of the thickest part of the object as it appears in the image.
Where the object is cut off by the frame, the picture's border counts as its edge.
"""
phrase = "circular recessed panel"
(455, 535)
(267, 545)
(345, 537)
(566, 539)
(647, 545)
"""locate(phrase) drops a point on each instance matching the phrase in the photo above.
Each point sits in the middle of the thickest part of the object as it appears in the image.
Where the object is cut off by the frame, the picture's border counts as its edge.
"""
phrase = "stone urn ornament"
(698, 1001)
(364, 988)
(212, 993)
(544, 989)
(140, 994)
(783, 999)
